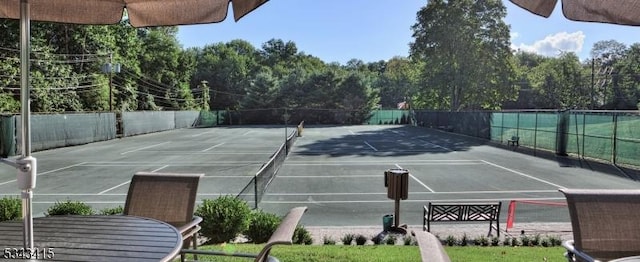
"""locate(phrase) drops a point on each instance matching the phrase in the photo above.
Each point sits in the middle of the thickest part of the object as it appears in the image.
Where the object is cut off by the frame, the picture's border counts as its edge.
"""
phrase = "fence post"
(614, 137)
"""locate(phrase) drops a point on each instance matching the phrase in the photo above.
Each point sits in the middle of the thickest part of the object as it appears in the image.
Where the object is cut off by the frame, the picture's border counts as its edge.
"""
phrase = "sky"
(373, 30)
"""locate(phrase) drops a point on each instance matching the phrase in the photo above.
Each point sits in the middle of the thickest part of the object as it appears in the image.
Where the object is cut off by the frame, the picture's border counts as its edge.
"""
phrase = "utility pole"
(110, 68)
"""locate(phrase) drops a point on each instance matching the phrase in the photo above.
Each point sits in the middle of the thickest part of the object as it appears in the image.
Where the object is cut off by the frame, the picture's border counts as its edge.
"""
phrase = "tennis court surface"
(337, 171)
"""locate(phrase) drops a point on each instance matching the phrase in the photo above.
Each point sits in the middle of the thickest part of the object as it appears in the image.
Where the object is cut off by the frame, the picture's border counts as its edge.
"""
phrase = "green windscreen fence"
(389, 117)
(627, 139)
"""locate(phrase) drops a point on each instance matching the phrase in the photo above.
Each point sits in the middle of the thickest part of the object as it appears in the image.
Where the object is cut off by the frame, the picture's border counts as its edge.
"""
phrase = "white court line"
(143, 148)
(374, 149)
(348, 176)
(203, 133)
(412, 200)
(127, 182)
(248, 132)
(47, 172)
(439, 146)
(382, 163)
(212, 147)
(417, 180)
(523, 174)
(418, 193)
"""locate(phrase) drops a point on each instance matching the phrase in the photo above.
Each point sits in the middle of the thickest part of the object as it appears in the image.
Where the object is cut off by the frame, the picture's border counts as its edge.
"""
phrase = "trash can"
(387, 222)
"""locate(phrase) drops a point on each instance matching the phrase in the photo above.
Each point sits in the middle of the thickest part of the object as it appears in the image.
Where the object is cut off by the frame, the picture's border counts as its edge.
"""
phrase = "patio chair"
(604, 222)
(282, 236)
(167, 197)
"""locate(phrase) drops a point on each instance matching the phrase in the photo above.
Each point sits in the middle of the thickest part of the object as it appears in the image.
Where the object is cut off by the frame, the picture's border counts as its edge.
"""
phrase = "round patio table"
(92, 238)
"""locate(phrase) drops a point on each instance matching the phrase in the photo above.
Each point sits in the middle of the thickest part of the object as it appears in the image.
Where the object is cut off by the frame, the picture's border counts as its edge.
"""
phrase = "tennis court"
(337, 171)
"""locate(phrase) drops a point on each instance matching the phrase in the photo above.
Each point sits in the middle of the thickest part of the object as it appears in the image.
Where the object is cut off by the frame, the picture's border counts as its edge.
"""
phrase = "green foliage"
(223, 218)
(69, 208)
(464, 240)
(302, 236)
(495, 241)
(409, 240)
(10, 208)
(347, 239)
(112, 210)
(361, 240)
(390, 239)
(376, 239)
(481, 241)
(261, 226)
(327, 240)
(450, 241)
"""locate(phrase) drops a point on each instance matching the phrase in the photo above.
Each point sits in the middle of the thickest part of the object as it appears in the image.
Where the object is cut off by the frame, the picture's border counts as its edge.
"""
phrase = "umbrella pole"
(26, 164)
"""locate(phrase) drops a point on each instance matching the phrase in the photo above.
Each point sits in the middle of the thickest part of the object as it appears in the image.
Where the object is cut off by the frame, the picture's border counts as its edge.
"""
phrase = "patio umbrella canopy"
(623, 12)
(141, 13)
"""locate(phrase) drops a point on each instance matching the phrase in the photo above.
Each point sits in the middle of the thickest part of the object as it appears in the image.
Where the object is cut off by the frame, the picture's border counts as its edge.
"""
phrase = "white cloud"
(553, 45)
(514, 35)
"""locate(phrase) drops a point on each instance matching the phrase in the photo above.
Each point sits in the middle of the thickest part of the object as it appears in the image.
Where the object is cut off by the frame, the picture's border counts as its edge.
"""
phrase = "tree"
(466, 52)
(606, 55)
(560, 83)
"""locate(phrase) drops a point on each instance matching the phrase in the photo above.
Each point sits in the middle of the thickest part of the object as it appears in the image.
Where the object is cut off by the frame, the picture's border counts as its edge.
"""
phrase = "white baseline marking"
(348, 176)
(203, 133)
(523, 174)
(47, 172)
(417, 193)
(246, 133)
(127, 182)
(212, 147)
(374, 149)
(143, 148)
(439, 146)
(417, 180)
(413, 200)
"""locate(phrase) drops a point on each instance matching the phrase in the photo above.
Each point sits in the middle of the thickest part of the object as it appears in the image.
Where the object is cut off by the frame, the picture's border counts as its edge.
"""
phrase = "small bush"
(495, 241)
(376, 239)
(535, 241)
(112, 211)
(361, 240)
(328, 240)
(302, 236)
(390, 240)
(347, 239)
(545, 242)
(507, 241)
(10, 208)
(261, 226)
(555, 241)
(408, 240)
(464, 240)
(525, 240)
(515, 242)
(450, 241)
(223, 218)
(481, 241)
(69, 208)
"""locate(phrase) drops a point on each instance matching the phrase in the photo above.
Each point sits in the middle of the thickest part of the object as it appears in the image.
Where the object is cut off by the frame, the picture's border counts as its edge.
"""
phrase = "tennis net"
(255, 189)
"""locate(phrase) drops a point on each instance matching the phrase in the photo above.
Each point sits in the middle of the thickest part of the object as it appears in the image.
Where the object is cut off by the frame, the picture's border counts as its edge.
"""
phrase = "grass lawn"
(339, 253)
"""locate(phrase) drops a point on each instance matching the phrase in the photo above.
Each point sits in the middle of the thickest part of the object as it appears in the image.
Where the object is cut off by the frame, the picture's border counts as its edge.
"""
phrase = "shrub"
(347, 239)
(515, 242)
(450, 241)
(261, 226)
(535, 241)
(69, 208)
(464, 240)
(525, 240)
(555, 241)
(507, 241)
(376, 239)
(223, 218)
(408, 240)
(390, 240)
(112, 210)
(495, 241)
(481, 241)
(361, 240)
(10, 208)
(327, 240)
(302, 236)
(545, 242)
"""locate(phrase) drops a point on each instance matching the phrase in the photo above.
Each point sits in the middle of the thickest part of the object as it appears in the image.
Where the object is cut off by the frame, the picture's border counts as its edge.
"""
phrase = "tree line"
(460, 59)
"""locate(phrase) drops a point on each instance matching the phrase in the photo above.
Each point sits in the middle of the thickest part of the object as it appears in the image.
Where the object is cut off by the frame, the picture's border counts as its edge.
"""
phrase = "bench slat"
(458, 212)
